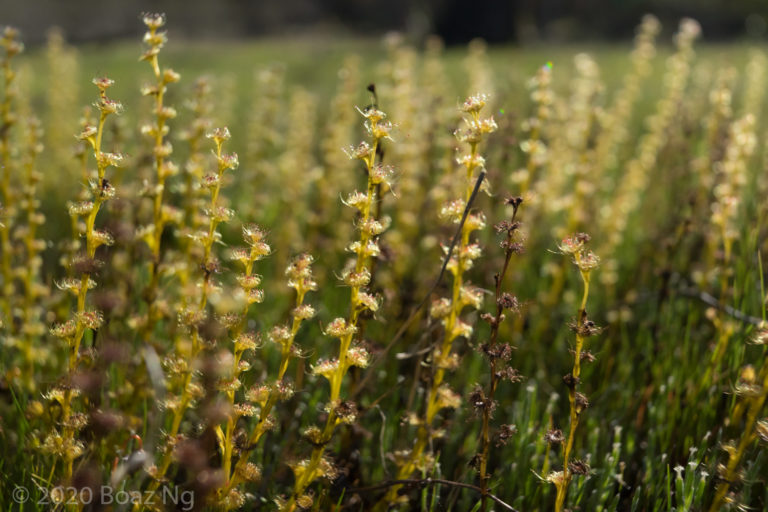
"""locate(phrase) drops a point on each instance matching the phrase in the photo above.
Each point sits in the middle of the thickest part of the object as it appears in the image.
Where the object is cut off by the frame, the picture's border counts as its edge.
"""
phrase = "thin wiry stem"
(485, 439)
(403, 328)
(425, 482)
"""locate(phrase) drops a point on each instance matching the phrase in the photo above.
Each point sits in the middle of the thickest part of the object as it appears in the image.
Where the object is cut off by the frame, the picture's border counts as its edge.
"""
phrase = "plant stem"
(575, 412)
(485, 439)
(755, 405)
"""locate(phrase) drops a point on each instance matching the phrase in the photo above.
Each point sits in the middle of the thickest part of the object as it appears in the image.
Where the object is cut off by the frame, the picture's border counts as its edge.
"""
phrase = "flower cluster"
(162, 214)
(72, 332)
(361, 301)
(192, 314)
(439, 395)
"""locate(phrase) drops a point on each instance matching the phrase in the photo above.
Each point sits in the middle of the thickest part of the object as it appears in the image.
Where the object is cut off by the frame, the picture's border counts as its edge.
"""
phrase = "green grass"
(646, 416)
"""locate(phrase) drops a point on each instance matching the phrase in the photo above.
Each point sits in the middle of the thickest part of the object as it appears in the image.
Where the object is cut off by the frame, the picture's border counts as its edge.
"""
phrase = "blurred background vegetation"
(455, 21)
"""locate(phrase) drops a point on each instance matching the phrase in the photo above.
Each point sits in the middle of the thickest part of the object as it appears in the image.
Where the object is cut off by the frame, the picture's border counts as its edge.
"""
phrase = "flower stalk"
(586, 261)
(752, 391)
(32, 327)
(12, 47)
(498, 354)
(358, 278)
(300, 278)
(64, 444)
(448, 310)
(162, 214)
(242, 342)
(182, 364)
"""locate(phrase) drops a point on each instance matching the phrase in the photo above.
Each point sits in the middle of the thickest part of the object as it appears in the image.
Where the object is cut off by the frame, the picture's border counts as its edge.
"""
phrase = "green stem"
(575, 413)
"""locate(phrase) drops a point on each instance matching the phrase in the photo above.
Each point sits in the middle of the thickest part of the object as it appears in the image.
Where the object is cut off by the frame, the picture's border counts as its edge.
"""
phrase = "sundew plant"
(425, 279)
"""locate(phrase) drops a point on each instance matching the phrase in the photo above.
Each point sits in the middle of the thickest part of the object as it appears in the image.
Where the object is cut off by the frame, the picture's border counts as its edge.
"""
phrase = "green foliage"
(171, 359)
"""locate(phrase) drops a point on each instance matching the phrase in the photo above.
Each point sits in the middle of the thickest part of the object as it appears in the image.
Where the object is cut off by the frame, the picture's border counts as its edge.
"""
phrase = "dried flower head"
(554, 436)
(504, 434)
(578, 467)
(345, 411)
(508, 301)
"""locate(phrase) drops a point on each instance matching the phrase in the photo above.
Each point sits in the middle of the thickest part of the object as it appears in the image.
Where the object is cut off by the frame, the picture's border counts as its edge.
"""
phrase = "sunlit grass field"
(625, 370)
